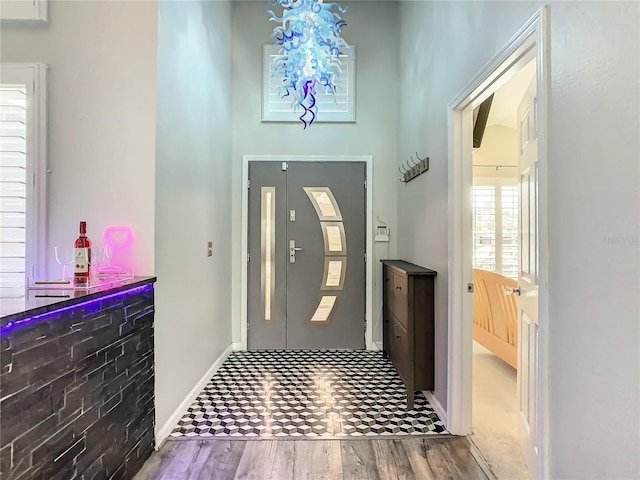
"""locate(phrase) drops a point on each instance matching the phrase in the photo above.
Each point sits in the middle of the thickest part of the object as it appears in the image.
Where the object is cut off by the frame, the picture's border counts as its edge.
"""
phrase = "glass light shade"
(310, 46)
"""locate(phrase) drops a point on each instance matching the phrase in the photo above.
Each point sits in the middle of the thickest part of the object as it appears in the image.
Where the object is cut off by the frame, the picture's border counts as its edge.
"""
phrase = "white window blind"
(21, 177)
(495, 228)
(509, 215)
(13, 187)
(337, 107)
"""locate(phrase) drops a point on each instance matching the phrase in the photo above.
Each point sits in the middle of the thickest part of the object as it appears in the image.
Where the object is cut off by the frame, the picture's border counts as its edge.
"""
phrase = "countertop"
(44, 300)
(409, 268)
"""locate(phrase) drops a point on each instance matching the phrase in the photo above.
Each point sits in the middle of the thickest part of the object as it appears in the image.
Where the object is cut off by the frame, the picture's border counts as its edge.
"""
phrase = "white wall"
(373, 28)
(102, 109)
(594, 240)
(594, 205)
(193, 196)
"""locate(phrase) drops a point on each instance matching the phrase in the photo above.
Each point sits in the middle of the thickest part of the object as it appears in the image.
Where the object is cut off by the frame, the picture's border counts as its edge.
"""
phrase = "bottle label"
(81, 262)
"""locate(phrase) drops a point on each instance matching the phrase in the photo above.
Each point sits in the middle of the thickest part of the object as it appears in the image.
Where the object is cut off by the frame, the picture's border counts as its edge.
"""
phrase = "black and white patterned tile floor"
(306, 393)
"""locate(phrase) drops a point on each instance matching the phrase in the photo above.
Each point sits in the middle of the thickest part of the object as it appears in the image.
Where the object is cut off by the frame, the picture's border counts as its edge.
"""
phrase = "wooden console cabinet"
(408, 323)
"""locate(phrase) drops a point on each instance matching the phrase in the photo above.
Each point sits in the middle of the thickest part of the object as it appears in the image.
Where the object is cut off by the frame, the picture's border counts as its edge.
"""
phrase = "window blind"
(509, 214)
(484, 227)
(13, 189)
(495, 229)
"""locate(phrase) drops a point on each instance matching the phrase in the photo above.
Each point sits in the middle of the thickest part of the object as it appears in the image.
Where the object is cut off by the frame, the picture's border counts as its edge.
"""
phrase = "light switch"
(209, 249)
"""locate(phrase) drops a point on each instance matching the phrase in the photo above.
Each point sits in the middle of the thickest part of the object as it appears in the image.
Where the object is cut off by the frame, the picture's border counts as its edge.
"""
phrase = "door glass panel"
(333, 273)
(334, 238)
(324, 202)
(268, 243)
(334, 270)
(324, 309)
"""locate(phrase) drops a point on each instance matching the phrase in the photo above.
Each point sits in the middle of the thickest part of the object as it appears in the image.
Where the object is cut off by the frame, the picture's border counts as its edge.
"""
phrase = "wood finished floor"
(410, 458)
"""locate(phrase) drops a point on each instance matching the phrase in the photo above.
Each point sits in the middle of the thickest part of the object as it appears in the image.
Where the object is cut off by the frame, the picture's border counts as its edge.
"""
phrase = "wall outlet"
(209, 249)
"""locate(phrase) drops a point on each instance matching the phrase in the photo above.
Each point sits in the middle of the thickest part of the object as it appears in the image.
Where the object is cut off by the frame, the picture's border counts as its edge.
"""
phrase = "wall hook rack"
(412, 169)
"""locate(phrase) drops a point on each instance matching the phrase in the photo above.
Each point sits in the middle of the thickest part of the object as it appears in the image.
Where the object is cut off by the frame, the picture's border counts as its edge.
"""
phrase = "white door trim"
(532, 40)
(368, 160)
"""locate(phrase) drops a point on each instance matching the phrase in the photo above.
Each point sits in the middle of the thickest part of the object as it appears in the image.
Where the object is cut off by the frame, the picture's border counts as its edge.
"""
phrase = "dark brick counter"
(77, 389)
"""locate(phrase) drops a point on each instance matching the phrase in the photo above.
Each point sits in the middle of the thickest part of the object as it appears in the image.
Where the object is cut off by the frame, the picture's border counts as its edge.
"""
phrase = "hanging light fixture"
(310, 49)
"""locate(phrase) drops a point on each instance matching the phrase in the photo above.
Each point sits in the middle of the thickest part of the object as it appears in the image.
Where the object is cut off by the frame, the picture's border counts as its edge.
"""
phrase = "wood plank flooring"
(379, 459)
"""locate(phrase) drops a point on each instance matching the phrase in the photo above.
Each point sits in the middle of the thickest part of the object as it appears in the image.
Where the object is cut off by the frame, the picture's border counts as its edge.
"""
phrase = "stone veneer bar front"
(77, 384)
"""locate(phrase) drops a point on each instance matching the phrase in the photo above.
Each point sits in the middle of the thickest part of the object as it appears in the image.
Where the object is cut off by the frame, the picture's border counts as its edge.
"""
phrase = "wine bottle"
(81, 252)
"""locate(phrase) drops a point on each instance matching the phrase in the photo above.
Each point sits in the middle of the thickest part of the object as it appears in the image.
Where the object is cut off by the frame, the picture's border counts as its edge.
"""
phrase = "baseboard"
(437, 407)
(237, 346)
(163, 433)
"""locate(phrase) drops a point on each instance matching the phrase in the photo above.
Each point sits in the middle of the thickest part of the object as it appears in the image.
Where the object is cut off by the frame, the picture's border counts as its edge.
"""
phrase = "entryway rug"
(306, 393)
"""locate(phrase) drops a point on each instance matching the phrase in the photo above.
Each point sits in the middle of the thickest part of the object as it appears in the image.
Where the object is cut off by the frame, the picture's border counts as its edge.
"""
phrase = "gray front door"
(307, 255)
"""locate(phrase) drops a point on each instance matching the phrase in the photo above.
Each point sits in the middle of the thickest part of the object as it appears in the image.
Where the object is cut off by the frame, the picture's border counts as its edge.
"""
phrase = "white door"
(528, 279)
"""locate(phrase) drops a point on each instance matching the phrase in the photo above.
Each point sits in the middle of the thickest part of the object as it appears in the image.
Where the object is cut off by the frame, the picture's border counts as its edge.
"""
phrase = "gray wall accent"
(594, 213)
(77, 392)
(193, 196)
(373, 29)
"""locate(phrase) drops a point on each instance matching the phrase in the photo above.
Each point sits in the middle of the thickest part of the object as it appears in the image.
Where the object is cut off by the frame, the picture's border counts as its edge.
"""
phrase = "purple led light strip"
(11, 325)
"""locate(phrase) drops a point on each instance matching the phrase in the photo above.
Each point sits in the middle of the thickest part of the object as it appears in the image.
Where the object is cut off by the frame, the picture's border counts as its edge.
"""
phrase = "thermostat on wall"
(382, 233)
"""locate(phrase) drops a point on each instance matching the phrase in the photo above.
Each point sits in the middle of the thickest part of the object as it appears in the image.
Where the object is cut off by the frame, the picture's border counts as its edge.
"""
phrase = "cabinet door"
(402, 353)
(387, 332)
(401, 299)
(387, 288)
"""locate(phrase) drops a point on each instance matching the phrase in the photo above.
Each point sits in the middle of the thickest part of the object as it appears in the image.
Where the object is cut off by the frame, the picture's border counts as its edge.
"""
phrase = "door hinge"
(365, 184)
(248, 257)
(365, 324)
(365, 258)
(285, 166)
(249, 184)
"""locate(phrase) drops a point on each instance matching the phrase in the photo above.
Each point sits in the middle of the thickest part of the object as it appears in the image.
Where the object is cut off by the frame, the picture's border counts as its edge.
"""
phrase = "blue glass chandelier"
(310, 49)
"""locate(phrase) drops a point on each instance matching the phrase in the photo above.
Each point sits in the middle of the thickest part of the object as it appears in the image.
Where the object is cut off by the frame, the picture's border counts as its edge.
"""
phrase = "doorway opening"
(530, 44)
(495, 251)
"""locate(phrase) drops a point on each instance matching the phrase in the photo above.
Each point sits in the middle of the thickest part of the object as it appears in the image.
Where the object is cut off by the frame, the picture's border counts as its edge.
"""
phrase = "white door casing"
(527, 389)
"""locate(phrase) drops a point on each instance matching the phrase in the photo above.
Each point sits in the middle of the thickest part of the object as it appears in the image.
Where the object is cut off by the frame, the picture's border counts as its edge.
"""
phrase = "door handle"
(292, 251)
(512, 290)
